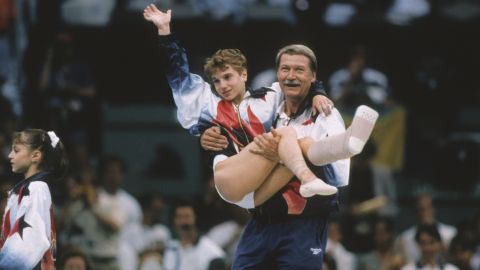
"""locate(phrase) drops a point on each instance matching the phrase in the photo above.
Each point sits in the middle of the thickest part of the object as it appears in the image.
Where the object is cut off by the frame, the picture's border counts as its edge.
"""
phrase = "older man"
(289, 231)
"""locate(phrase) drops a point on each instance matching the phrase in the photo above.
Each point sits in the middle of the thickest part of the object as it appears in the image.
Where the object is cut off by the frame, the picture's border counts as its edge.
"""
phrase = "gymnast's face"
(230, 84)
(22, 157)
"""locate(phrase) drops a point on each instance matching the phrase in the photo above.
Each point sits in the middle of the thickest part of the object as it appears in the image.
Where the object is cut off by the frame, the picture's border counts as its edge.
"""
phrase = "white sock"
(299, 168)
(347, 144)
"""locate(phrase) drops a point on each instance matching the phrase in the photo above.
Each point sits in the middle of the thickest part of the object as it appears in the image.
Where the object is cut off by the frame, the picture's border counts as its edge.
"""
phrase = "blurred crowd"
(106, 227)
(56, 71)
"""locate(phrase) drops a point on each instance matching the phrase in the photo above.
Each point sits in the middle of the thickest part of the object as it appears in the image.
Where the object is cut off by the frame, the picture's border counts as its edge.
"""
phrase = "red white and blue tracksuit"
(28, 232)
(200, 108)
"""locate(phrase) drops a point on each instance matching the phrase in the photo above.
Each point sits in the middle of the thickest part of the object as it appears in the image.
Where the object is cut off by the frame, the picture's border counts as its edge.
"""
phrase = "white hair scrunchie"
(53, 138)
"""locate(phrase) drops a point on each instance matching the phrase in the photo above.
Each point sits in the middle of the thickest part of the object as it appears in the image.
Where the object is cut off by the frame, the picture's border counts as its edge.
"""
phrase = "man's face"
(382, 236)
(425, 210)
(113, 176)
(429, 246)
(230, 84)
(184, 219)
(356, 65)
(295, 76)
(75, 263)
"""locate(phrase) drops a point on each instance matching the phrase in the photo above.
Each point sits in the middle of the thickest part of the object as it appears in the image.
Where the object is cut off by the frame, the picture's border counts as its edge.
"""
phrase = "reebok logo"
(316, 251)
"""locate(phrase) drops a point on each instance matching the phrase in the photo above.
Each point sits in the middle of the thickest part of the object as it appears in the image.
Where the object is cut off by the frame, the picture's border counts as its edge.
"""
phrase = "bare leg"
(276, 180)
(291, 155)
(241, 174)
(244, 172)
(343, 145)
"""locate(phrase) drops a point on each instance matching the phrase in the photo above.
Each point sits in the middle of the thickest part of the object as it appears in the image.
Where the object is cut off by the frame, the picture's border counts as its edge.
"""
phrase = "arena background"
(136, 116)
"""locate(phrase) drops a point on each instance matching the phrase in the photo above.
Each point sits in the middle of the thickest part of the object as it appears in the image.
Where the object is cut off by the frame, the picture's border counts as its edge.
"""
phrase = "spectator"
(121, 206)
(329, 263)
(358, 83)
(151, 259)
(227, 234)
(384, 256)
(425, 215)
(84, 224)
(404, 12)
(340, 13)
(151, 235)
(430, 245)
(69, 88)
(87, 13)
(344, 259)
(213, 209)
(191, 251)
(462, 252)
(82, 173)
(367, 197)
(74, 260)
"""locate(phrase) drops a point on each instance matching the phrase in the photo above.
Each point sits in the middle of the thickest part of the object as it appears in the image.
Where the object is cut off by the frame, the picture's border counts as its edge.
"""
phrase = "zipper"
(237, 110)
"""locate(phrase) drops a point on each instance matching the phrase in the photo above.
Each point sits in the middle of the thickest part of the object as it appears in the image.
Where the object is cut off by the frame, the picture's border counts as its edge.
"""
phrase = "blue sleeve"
(192, 95)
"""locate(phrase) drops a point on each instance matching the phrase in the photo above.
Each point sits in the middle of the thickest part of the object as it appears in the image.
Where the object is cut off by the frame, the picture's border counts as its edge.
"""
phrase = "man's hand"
(322, 104)
(213, 140)
(160, 19)
(267, 145)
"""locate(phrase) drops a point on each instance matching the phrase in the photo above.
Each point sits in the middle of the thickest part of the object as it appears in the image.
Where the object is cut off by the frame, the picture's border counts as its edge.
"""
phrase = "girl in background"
(28, 231)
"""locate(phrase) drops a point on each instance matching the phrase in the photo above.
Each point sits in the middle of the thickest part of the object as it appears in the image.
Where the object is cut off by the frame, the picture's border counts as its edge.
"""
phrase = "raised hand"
(160, 19)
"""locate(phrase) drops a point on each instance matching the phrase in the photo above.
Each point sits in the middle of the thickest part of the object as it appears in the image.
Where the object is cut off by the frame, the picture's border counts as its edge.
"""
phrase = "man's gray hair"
(296, 49)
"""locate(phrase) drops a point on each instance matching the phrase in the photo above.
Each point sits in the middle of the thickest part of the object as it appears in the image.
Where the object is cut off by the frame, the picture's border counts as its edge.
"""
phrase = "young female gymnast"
(28, 231)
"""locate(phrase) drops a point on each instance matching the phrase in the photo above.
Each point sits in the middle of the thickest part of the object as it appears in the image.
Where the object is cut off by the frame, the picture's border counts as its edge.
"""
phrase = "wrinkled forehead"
(295, 60)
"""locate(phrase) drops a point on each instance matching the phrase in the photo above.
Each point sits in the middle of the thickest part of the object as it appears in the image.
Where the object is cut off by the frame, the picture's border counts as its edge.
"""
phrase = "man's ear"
(36, 156)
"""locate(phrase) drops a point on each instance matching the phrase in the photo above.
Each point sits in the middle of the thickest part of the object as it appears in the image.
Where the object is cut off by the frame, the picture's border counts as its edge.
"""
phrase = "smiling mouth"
(292, 84)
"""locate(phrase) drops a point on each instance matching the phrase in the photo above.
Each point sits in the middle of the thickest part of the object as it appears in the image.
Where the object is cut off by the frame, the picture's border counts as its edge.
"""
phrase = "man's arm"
(213, 140)
(190, 92)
